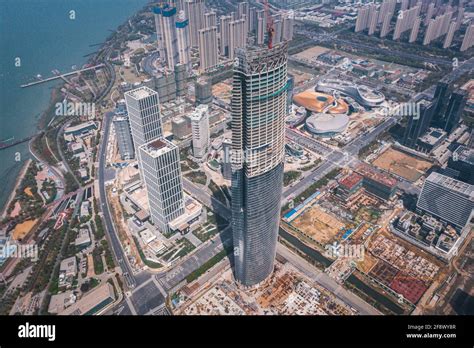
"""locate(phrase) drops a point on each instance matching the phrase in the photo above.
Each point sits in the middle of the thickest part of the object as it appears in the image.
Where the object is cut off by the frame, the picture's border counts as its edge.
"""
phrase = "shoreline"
(18, 181)
(45, 117)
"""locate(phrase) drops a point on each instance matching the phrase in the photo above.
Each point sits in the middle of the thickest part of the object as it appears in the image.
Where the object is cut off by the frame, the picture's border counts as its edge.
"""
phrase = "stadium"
(326, 125)
(361, 94)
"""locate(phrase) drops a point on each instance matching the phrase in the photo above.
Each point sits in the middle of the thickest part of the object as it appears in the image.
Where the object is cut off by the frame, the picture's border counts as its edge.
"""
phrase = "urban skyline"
(241, 158)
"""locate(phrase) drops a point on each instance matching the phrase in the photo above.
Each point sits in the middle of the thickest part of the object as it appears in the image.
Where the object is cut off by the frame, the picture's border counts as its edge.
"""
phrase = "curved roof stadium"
(327, 124)
(361, 94)
(321, 102)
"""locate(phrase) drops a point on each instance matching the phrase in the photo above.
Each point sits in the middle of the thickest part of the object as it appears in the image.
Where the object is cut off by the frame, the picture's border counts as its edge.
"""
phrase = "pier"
(62, 76)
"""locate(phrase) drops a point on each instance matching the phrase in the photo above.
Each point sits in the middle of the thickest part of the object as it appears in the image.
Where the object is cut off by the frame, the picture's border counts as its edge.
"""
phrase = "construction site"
(401, 164)
(286, 292)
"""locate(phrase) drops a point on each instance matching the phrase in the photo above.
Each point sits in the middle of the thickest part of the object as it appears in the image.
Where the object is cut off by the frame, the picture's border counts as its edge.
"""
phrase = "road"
(206, 199)
(334, 158)
(104, 207)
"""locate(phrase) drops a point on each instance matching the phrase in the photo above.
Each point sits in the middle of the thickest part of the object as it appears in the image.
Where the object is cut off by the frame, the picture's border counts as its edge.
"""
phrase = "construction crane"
(270, 29)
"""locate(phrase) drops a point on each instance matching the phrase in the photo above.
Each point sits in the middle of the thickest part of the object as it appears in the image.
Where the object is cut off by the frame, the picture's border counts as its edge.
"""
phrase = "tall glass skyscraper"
(258, 130)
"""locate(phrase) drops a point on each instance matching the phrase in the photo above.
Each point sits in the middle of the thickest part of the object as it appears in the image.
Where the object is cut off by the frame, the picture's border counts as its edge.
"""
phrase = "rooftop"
(91, 300)
(452, 184)
(464, 154)
(371, 173)
(158, 147)
(141, 93)
(350, 180)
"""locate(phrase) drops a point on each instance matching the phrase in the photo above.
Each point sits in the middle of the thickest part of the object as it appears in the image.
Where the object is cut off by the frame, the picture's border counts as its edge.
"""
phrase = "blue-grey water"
(44, 37)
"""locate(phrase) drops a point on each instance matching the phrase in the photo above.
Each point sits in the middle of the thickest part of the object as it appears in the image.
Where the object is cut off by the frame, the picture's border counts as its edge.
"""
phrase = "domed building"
(326, 125)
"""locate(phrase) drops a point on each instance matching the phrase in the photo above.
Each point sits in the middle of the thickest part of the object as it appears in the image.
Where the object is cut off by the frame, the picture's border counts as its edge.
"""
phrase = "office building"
(162, 176)
(376, 182)
(144, 115)
(416, 127)
(462, 161)
(194, 10)
(124, 137)
(454, 110)
(440, 98)
(446, 198)
(208, 56)
(258, 146)
(200, 131)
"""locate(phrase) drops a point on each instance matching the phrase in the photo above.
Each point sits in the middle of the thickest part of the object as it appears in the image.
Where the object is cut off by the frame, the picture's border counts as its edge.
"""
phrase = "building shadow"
(222, 216)
(462, 303)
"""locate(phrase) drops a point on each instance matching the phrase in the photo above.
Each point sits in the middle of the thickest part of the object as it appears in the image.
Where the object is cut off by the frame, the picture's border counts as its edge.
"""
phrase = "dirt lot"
(319, 225)
(311, 53)
(402, 164)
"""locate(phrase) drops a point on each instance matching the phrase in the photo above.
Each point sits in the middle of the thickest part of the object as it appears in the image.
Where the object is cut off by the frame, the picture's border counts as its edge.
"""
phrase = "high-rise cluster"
(415, 17)
(172, 31)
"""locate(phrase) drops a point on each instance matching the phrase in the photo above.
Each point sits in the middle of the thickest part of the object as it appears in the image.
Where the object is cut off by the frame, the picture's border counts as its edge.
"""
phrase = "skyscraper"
(362, 19)
(159, 160)
(449, 36)
(144, 115)
(468, 40)
(418, 126)
(210, 19)
(203, 91)
(258, 117)
(182, 34)
(145, 120)
(194, 10)
(208, 57)
(200, 130)
(455, 108)
(124, 137)
(224, 35)
(260, 30)
(446, 198)
(237, 36)
(165, 19)
(288, 23)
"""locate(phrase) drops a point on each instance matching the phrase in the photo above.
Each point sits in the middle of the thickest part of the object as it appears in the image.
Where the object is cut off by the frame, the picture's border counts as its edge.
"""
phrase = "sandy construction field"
(319, 225)
(401, 164)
